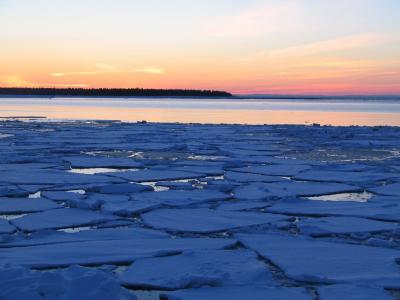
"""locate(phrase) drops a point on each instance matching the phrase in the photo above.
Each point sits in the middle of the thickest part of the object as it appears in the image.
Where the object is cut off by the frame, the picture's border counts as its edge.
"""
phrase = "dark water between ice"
(243, 111)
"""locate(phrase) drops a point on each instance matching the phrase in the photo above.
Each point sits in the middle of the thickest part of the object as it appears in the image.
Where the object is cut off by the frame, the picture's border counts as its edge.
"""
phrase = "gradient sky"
(243, 46)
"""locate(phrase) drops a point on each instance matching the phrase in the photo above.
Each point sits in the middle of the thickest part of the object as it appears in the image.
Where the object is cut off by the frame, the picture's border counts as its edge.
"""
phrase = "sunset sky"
(242, 46)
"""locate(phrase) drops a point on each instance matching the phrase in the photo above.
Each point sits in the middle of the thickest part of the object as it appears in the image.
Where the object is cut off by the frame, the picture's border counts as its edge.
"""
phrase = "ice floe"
(157, 175)
(345, 177)
(333, 225)
(260, 191)
(238, 293)
(354, 292)
(274, 170)
(250, 177)
(74, 282)
(52, 177)
(197, 269)
(389, 189)
(122, 188)
(203, 220)
(374, 210)
(60, 218)
(123, 251)
(176, 198)
(325, 262)
(6, 227)
(25, 205)
(47, 237)
(84, 162)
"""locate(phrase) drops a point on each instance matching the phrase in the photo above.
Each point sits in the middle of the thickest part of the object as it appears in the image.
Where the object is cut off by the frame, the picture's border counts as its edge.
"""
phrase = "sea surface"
(340, 112)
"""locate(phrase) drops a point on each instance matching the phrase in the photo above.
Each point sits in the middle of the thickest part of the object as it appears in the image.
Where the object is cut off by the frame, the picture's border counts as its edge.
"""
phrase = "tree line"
(112, 92)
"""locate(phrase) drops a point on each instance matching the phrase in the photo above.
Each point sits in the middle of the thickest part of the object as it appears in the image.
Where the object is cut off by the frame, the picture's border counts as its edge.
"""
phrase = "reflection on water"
(357, 197)
(154, 185)
(35, 195)
(93, 171)
(75, 229)
(10, 217)
(210, 111)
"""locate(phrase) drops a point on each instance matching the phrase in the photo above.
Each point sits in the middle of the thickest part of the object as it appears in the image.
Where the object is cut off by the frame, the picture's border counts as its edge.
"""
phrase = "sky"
(331, 47)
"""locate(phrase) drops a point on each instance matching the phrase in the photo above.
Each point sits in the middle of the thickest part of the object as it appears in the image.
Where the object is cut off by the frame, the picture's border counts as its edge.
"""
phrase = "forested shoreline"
(112, 92)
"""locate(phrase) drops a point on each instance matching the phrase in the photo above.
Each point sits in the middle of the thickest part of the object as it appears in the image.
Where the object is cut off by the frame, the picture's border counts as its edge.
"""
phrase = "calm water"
(244, 111)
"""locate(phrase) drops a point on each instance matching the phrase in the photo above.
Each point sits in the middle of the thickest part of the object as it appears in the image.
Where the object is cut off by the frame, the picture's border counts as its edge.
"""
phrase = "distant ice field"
(155, 211)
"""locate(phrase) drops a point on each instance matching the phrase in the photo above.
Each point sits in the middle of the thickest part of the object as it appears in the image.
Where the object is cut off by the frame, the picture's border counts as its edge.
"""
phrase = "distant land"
(173, 93)
(112, 92)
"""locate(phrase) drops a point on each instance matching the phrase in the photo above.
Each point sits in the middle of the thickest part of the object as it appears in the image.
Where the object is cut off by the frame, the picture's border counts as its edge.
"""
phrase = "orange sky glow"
(250, 47)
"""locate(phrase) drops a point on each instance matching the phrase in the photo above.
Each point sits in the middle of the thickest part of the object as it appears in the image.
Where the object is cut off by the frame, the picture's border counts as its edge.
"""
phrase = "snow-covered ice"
(84, 162)
(58, 237)
(113, 210)
(74, 282)
(25, 205)
(260, 191)
(372, 210)
(238, 293)
(6, 227)
(157, 175)
(182, 198)
(60, 218)
(274, 170)
(346, 177)
(327, 262)
(389, 189)
(204, 220)
(197, 269)
(354, 292)
(333, 225)
(114, 251)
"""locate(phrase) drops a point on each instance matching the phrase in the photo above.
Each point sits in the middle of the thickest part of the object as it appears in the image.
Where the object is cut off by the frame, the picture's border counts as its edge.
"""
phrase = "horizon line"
(237, 95)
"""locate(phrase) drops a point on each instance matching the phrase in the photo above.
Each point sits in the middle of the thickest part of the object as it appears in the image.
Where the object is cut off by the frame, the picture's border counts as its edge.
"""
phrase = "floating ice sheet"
(353, 292)
(238, 293)
(259, 191)
(242, 205)
(196, 269)
(250, 177)
(181, 198)
(123, 188)
(44, 177)
(157, 175)
(204, 220)
(130, 208)
(6, 227)
(345, 177)
(105, 251)
(389, 189)
(25, 205)
(62, 196)
(327, 262)
(333, 225)
(374, 210)
(57, 237)
(83, 162)
(71, 283)
(176, 185)
(60, 218)
(274, 170)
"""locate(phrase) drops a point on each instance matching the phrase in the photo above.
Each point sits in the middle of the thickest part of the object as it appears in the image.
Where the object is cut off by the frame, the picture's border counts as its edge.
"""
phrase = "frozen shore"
(111, 210)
